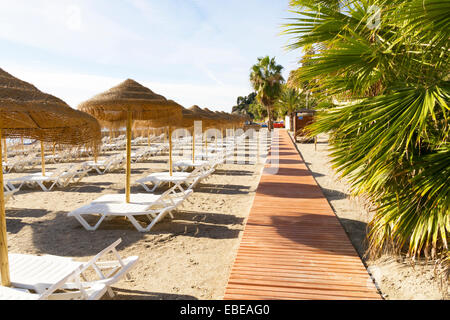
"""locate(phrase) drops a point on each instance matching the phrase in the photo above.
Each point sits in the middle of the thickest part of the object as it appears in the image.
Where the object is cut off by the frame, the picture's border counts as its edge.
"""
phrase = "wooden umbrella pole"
(43, 158)
(4, 264)
(95, 152)
(127, 197)
(170, 151)
(193, 145)
(148, 136)
(6, 150)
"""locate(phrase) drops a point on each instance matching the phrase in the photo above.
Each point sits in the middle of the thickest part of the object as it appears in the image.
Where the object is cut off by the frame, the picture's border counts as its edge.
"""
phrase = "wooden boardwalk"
(293, 246)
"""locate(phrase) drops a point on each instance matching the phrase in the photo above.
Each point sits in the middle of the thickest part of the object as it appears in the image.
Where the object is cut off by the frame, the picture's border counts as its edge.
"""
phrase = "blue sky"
(191, 51)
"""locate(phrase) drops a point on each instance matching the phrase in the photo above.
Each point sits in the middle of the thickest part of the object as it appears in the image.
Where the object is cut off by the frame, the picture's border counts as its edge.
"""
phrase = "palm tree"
(266, 79)
(391, 141)
(289, 100)
(258, 111)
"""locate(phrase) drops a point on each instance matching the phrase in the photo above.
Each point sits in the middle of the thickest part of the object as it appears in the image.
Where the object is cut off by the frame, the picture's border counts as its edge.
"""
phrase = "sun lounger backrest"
(63, 169)
(74, 276)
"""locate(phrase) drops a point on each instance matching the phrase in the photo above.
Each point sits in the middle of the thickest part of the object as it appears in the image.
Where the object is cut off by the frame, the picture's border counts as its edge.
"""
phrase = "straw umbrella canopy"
(189, 116)
(235, 119)
(220, 120)
(228, 118)
(208, 121)
(26, 112)
(171, 123)
(188, 121)
(241, 118)
(130, 101)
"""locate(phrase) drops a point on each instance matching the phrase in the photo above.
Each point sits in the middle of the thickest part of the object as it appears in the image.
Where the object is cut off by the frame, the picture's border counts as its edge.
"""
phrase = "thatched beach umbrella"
(227, 120)
(127, 102)
(186, 121)
(221, 122)
(26, 112)
(208, 121)
(239, 118)
(170, 124)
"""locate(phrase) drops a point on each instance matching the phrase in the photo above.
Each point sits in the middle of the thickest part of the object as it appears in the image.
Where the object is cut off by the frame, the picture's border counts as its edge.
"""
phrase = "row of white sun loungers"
(114, 146)
(65, 175)
(152, 206)
(73, 173)
(144, 140)
(110, 164)
(19, 163)
(63, 278)
(119, 144)
(146, 153)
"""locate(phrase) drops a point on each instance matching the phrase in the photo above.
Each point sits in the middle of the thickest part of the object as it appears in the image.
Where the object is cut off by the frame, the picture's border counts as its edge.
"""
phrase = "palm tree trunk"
(270, 122)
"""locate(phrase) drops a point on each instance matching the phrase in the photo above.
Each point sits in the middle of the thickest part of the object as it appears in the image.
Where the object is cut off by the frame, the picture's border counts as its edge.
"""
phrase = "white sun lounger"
(61, 177)
(18, 163)
(110, 164)
(144, 153)
(39, 273)
(188, 163)
(154, 207)
(30, 272)
(177, 177)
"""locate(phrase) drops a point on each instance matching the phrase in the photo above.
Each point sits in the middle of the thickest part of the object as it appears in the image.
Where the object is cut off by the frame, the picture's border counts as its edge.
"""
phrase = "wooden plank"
(293, 246)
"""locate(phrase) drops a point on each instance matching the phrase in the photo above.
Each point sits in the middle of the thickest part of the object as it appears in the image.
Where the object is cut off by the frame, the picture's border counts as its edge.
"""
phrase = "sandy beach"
(189, 257)
(395, 276)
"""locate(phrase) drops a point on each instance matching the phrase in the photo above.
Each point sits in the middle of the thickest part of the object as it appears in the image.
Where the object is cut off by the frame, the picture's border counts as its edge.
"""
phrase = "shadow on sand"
(76, 241)
(222, 188)
(124, 294)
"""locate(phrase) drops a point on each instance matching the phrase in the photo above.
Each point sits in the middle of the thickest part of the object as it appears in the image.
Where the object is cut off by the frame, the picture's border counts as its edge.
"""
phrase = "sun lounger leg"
(155, 186)
(42, 186)
(54, 183)
(135, 223)
(86, 225)
(158, 218)
(144, 186)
